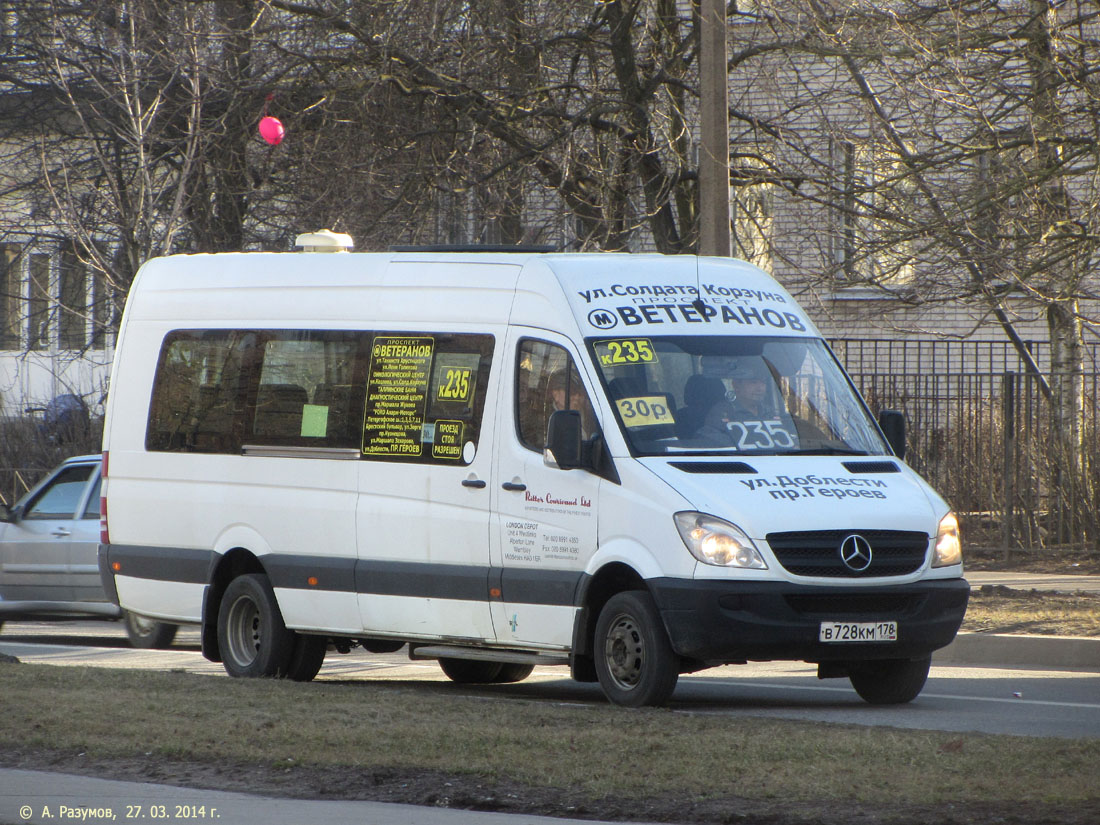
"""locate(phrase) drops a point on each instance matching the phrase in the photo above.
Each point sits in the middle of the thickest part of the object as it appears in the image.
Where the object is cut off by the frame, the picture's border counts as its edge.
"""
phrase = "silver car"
(49, 541)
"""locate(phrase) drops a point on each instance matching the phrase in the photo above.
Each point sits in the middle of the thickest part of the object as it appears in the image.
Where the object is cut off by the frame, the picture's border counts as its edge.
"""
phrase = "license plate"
(840, 632)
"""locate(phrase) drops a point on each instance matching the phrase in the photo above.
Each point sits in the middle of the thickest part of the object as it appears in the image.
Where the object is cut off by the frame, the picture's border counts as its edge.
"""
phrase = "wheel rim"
(244, 631)
(624, 651)
(141, 625)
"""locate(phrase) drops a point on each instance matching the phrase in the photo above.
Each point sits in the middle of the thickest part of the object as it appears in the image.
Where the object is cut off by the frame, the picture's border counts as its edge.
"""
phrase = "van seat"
(279, 410)
(701, 392)
(337, 397)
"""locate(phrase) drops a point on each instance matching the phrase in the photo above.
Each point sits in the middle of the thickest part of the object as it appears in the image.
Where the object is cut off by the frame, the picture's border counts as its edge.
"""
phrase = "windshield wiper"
(825, 451)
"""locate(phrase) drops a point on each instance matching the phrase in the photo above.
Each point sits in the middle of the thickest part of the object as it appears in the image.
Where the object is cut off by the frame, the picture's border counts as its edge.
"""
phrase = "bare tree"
(957, 141)
(589, 102)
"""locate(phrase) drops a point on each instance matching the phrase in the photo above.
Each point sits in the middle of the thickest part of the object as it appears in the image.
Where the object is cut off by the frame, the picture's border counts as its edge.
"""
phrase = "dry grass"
(599, 751)
(1004, 610)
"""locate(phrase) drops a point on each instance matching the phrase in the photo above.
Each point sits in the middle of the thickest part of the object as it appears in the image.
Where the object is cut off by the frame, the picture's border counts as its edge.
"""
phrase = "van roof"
(599, 291)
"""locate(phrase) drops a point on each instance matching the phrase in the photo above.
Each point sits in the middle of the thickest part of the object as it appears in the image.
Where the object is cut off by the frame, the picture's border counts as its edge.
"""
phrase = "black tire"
(471, 671)
(307, 657)
(253, 639)
(381, 645)
(890, 681)
(512, 672)
(635, 662)
(147, 634)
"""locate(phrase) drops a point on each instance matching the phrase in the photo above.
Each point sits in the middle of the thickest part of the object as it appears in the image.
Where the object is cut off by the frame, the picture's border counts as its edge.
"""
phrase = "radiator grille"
(817, 552)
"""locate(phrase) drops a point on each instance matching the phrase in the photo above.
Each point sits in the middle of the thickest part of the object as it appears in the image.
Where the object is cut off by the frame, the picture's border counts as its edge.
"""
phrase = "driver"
(750, 398)
(749, 395)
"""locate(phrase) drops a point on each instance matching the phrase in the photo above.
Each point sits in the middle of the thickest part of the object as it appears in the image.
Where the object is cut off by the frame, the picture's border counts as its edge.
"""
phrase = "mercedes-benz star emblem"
(855, 552)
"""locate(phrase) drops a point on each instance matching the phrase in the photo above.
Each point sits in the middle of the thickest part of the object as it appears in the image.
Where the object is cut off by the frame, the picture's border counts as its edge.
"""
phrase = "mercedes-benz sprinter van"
(635, 466)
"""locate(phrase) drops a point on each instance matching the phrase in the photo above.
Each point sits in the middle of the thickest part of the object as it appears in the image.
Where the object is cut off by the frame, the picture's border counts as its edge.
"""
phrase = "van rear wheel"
(635, 662)
(253, 639)
(890, 681)
(307, 657)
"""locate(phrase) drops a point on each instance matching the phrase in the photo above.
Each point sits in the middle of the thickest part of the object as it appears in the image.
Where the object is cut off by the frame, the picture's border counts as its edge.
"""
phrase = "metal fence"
(979, 432)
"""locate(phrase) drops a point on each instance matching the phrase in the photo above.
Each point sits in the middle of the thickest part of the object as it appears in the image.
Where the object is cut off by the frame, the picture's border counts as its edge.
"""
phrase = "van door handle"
(61, 533)
(476, 483)
(514, 486)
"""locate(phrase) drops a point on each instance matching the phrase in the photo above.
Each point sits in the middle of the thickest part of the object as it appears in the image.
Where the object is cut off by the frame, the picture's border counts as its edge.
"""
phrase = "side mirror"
(563, 440)
(892, 424)
(6, 515)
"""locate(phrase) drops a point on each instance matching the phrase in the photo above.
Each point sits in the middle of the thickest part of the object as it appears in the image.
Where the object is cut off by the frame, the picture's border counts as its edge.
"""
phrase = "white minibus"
(635, 466)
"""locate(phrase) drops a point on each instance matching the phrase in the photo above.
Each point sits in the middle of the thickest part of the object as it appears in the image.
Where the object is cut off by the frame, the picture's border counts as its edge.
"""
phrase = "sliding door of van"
(423, 508)
(545, 518)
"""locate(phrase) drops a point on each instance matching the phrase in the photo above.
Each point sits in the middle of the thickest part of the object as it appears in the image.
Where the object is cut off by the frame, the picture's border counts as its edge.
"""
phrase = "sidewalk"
(1014, 649)
(1056, 583)
(43, 797)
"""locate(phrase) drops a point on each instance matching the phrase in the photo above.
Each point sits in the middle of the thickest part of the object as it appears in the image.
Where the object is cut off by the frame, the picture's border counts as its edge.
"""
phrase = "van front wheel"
(890, 681)
(635, 662)
(253, 639)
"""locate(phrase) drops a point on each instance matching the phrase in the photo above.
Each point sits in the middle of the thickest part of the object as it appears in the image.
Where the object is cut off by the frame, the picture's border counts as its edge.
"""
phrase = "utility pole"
(714, 143)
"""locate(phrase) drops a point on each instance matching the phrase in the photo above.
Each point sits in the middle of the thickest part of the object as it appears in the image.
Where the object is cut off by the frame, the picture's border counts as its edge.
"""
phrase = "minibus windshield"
(733, 394)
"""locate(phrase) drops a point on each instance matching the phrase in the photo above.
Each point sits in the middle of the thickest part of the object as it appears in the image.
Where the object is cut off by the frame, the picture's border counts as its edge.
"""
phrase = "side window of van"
(309, 389)
(395, 396)
(216, 390)
(196, 398)
(547, 380)
(425, 396)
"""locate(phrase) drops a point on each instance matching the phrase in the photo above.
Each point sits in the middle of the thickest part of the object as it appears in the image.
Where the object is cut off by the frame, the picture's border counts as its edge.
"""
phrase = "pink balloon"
(272, 130)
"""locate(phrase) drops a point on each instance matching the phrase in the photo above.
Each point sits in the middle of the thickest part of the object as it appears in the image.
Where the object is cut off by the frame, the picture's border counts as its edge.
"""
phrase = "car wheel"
(253, 639)
(635, 662)
(890, 681)
(470, 671)
(148, 633)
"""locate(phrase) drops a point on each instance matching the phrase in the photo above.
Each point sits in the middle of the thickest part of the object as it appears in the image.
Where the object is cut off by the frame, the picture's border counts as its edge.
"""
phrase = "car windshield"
(733, 394)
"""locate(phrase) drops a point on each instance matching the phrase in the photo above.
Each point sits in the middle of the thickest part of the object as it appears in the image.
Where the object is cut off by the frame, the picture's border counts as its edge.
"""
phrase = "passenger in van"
(566, 392)
(560, 389)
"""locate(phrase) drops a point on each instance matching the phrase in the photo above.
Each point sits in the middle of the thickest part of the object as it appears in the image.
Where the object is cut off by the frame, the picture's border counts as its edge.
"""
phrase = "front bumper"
(721, 621)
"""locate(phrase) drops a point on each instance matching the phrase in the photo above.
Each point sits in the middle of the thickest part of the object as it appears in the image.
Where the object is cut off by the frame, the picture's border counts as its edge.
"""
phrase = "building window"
(73, 299)
(11, 296)
(102, 307)
(842, 234)
(38, 302)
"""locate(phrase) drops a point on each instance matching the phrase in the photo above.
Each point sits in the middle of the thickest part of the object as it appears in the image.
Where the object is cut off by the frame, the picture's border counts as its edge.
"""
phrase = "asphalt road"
(1019, 700)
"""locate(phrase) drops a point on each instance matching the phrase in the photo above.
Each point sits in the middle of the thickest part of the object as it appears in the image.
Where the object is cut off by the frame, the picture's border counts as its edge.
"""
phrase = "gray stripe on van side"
(534, 586)
(333, 573)
(466, 582)
(423, 580)
(169, 564)
(346, 575)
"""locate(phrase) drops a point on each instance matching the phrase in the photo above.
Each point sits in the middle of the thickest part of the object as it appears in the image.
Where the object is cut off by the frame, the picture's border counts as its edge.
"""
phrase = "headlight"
(717, 542)
(948, 545)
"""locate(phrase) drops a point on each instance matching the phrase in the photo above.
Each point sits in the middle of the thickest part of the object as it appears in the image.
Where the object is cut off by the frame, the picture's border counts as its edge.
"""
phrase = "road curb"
(1077, 652)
